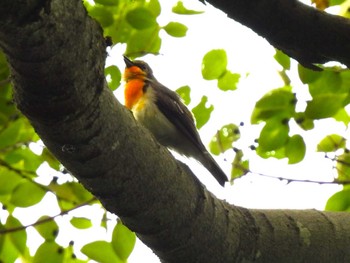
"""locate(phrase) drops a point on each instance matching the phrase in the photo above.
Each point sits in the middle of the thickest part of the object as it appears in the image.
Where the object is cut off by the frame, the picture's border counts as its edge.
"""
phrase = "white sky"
(247, 53)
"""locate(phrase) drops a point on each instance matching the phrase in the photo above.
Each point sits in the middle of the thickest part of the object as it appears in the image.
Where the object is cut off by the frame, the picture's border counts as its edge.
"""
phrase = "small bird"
(162, 112)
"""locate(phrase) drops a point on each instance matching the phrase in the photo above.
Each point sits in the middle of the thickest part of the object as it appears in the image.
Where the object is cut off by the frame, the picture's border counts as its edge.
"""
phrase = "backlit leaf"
(274, 135)
(47, 230)
(27, 194)
(113, 76)
(228, 81)
(141, 18)
(49, 252)
(81, 222)
(185, 94)
(123, 240)
(175, 29)
(331, 143)
(295, 149)
(180, 9)
(307, 75)
(101, 251)
(340, 201)
(324, 106)
(214, 64)
(202, 112)
(224, 138)
(282, 59)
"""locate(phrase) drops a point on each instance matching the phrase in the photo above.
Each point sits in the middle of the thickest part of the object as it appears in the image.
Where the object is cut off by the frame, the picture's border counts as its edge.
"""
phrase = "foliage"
(135, 24)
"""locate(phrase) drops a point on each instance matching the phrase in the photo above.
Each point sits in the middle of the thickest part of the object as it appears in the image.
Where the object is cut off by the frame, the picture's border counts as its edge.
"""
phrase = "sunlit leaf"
(343, 166)
(324, 106)
(123, 240)
(202, 112)
(340, 201)
(295, 149)
(49, 252)
(224, 138)
(228, 81)
(47, 230)
(154, 7)
(10, 135)
(141, 18)
(331, 143)
(180, 9)
(113, 76)
(8, 181)
(185, 94)
(107, 2)
(282, 59)
(175, 29)
(102, 15)
(18, 238)
(274, 135)
(214, 64)
(307, 75)
(277, 102)
(24, 159)
(101, 251)
(27, 194)
(240, 167)
(81, 222)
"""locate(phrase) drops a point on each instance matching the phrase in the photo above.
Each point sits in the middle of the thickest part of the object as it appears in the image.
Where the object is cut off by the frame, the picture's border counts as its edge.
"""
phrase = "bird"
(162, 112)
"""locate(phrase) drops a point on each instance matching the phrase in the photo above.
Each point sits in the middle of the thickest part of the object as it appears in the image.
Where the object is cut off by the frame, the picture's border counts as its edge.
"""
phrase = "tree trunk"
(57, 53)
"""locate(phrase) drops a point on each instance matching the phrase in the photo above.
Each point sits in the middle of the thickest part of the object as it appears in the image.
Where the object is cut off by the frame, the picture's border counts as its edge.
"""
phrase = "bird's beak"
(128, 62)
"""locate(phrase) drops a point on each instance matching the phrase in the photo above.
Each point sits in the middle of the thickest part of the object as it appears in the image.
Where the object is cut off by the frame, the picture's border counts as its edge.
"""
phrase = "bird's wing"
(170, 104)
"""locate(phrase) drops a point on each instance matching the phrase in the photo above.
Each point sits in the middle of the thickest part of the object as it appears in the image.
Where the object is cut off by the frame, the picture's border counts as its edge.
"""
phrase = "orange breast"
(133, 92)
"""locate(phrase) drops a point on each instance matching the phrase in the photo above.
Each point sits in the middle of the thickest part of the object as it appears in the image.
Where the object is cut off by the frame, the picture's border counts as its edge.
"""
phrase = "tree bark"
(56, 53)
(309, 35)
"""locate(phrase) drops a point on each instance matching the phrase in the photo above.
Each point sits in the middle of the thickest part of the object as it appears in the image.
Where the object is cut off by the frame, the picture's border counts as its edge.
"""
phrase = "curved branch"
(302, 32)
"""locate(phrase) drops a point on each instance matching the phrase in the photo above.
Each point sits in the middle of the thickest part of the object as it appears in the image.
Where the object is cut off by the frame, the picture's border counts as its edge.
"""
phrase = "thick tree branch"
(57, 53)
(302, 32)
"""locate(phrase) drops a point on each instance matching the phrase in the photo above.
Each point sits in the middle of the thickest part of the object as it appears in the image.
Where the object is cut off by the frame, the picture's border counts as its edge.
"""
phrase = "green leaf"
(224, 138)
(277, 102)
(102, 15)
(343, 166)
(81, 222)
(180, 9)
(48, 230)
(340, 201)
(49, 252)
(48, 157)
(8, 251)
(295, 149)
(144, 41)
(113, 76)
(331, 143)
(274, 135)
(107, 2)
(24, 159)
(175, 29)
(335, 2)
(324, 106)
(307, 75)
(214, 64)
(228, 81)
(185, 94)
(282, 59)
(10, 135)
(73, 192)
(27, 194)
(18, 238)
(240, 167)
(123, 240)
(141, 18)
(8, 181)
(304, 122)
(101, 251)
(329, 82)
(342, 116)
(154, 7)
(202, 113)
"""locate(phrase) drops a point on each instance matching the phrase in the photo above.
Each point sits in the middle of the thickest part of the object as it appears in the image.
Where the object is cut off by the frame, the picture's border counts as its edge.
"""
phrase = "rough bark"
(302, 32)
(56, 53)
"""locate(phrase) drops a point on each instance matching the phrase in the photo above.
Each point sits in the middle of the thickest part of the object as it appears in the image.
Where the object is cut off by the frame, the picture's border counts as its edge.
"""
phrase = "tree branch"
(56, 53)
(302, 32)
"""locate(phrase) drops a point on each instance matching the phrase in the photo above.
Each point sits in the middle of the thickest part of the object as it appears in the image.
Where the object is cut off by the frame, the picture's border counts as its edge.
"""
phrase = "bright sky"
(247, 53)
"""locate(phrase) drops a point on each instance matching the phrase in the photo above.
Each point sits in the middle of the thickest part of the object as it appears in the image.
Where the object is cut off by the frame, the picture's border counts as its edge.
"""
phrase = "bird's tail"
(208, 162)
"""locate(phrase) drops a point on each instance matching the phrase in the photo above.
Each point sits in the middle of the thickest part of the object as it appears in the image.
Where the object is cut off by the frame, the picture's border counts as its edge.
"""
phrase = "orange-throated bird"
(161, 111)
